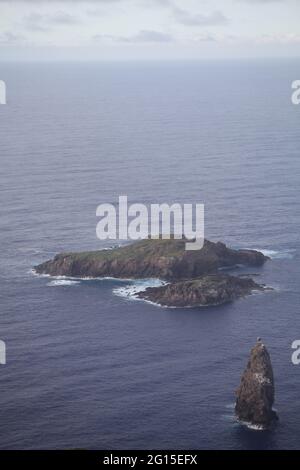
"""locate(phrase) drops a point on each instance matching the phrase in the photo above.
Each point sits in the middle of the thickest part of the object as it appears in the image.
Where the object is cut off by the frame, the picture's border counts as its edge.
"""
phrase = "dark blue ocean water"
(87, 368)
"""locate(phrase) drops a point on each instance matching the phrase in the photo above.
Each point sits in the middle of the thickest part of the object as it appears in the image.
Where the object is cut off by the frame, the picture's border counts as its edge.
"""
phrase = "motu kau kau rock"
(255, 395)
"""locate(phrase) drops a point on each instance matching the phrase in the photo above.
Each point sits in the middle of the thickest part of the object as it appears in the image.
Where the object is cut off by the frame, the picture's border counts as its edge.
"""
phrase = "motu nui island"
(192, 278)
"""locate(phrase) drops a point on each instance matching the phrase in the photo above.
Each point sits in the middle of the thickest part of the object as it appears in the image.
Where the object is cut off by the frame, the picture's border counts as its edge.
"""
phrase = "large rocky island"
(193, 277)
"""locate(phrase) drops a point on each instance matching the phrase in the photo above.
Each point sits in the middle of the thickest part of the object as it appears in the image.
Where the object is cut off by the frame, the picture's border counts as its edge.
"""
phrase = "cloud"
(150, 36)
(206, 37)
(100, 2)
(95, 12)
(39, 22)
(266, 2)
(143, 36)
(8, 38)
(189, 19)
(262, 1)
(60, 1)
(290, 38)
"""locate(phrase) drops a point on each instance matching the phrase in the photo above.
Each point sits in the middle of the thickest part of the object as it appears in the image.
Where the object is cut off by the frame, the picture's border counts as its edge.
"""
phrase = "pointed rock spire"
(255, 395)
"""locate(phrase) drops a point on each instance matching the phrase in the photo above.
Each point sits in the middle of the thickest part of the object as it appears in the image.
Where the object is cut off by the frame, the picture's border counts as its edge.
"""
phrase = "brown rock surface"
(164, 259)
(214, 289)
(255, 395)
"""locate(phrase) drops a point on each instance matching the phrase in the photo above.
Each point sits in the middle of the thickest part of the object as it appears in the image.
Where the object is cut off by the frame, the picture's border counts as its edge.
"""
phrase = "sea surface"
(87, 366)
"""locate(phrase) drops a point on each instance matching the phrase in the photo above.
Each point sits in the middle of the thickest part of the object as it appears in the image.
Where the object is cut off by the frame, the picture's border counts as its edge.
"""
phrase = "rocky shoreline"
(194, 277)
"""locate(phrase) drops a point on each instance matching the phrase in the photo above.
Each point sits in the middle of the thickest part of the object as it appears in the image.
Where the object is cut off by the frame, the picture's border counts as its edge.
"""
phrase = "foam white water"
(76, 278)
(33, 272)
(273, 254)
(230, 406)
(229, 415)
(140, 285)
(127, 291)
(62, 282)
(253, 427)
(111, 247)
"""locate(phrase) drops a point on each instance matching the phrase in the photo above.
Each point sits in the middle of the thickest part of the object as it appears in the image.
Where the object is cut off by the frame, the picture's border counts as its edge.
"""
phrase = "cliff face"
(164, 259)
(255, 395)
(213, 289)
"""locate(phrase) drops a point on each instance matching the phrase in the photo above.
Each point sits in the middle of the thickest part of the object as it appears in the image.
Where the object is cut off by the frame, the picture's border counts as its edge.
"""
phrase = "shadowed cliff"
(164, 259)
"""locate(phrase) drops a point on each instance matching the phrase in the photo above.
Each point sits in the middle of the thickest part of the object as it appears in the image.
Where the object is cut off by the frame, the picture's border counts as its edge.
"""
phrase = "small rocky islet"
(208, 290)
(193, 278)
(256, 393)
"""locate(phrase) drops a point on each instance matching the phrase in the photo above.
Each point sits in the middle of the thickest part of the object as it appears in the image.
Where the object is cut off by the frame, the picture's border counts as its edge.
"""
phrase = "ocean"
(87, 366)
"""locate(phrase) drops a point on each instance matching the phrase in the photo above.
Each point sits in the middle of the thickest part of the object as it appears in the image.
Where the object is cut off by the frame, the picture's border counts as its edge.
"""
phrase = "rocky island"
(255, 395)
(213, 289)
(193, 277)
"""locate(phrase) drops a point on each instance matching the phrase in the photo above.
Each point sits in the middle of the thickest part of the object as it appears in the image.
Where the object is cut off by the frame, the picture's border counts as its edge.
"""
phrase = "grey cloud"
(143, 36)
(61, 17)
(262, 1)
(150, 36)
(206, 37)
(8, 37)
(39, 22)
(188, 19)
(62, 1)
(95, 12)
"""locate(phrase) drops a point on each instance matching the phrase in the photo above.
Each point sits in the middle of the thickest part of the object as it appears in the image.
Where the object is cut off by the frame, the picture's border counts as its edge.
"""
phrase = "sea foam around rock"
(130, 291)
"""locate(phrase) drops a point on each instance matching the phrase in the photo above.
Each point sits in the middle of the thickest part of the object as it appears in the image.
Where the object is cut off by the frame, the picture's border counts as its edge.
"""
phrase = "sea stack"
(255, 395)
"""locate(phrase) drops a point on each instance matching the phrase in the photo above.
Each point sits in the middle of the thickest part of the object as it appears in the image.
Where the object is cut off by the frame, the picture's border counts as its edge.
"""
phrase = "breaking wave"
(276, 254)
(284, 254)
(130, 291)
(62, 282)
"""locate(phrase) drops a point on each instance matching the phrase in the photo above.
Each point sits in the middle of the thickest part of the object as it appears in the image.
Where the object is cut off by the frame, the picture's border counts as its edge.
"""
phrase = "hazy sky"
(148, 29)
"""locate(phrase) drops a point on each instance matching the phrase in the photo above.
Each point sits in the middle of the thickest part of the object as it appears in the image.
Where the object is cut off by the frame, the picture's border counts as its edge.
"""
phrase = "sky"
(148, 29)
